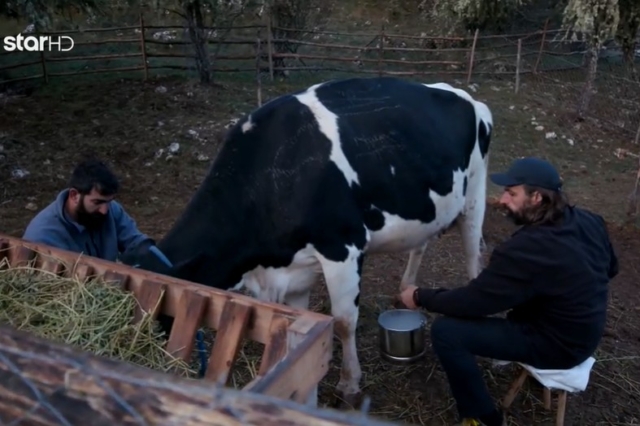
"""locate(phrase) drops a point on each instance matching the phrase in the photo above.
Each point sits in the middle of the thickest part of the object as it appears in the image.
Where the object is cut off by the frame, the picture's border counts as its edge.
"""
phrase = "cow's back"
(348, 151)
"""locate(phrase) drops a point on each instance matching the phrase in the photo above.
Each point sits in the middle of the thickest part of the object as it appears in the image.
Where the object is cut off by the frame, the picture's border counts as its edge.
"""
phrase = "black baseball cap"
(529, 171)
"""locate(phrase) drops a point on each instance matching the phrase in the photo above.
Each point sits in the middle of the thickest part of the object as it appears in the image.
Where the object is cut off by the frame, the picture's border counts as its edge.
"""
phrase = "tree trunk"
(193, 12)
(629, 57)
(589, 84)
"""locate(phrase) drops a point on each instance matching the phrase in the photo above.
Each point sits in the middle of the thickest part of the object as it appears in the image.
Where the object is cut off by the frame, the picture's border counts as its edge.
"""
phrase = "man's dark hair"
(93, 173)
(551, 207)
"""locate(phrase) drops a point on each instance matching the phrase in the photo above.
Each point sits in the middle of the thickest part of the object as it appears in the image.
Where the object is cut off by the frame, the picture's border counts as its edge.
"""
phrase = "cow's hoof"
(348, 401)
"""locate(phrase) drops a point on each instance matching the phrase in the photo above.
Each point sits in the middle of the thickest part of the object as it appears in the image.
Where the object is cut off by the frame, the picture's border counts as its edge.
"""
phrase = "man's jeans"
(458, 341)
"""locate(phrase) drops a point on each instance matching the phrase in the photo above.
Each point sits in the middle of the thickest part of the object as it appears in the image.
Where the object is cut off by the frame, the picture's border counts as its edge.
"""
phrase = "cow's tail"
(476, 197)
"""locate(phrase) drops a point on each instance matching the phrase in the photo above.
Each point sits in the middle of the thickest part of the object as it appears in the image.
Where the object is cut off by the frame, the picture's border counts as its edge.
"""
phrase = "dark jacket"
(554, 278)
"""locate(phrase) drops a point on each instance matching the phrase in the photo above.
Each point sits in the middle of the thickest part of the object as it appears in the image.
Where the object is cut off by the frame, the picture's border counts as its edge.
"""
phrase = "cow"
(311, 181)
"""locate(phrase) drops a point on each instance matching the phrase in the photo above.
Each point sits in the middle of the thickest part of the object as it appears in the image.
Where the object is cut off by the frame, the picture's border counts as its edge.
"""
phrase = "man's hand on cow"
(406, 297)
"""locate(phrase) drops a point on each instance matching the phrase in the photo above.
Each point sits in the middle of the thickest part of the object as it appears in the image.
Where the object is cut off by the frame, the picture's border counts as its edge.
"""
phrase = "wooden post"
(258, 73)
(44, 67)
(544, 36)
(471, 57)
(269, 43)
(637, 135)
(102, 391)
(518, 57)
(381, 51)
(143, 47)
(43, 61)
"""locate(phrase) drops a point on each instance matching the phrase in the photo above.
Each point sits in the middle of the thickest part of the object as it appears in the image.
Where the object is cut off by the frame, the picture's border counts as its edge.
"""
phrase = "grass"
(90, 314)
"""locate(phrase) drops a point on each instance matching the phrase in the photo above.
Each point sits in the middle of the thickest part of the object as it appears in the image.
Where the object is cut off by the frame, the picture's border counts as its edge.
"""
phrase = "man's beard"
(518, 218)
(89, 220)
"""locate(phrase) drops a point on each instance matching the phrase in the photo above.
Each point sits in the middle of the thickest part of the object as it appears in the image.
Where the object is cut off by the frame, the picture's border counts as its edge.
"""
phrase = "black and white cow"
(311, 181)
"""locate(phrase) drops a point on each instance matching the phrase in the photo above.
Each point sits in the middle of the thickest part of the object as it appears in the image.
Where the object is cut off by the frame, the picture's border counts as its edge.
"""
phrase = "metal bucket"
(402, 335)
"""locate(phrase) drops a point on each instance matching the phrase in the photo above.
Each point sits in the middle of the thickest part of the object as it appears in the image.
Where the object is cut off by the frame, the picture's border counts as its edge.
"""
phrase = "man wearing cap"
(551, 276)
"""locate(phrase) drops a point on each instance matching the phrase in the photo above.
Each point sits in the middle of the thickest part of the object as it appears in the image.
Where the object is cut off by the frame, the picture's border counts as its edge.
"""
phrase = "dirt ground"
(127, 123)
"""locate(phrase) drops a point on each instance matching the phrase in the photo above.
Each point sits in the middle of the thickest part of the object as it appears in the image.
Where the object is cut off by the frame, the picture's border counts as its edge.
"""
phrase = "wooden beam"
(47, 383)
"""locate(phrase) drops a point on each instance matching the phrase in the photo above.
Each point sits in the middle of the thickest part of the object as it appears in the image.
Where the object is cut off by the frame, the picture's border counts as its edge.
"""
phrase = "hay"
(90, 314)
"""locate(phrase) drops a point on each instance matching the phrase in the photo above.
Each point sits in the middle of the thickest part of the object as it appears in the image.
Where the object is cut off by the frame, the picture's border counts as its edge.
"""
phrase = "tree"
(477, 14)
(595, 21)
(219, 13)
(290, 19)
(628, 31)
(42, 13)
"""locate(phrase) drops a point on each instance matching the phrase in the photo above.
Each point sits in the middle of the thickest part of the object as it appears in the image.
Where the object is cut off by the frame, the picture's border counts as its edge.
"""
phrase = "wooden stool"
(546, 393)
(563, 381)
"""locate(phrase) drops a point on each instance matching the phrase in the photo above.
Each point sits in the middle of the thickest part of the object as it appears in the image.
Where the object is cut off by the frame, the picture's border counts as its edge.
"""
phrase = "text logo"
(37, 43)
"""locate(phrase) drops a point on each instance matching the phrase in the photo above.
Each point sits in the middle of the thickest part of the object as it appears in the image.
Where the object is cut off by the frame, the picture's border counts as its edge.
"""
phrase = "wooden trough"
(297, 343)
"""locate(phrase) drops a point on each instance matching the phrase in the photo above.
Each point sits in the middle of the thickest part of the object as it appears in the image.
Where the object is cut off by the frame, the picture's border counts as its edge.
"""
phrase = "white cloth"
(572, 380)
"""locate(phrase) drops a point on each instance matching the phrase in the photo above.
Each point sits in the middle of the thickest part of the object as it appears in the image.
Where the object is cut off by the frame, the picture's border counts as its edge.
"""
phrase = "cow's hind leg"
(470, 224)
(343, 284)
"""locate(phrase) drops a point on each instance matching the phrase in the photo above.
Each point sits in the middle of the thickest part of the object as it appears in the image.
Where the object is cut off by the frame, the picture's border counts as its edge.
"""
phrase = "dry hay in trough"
(90, 314)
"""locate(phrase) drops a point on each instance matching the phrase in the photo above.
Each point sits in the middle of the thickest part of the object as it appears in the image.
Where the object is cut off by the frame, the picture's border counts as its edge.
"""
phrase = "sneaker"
(476, 422)
(469, 422)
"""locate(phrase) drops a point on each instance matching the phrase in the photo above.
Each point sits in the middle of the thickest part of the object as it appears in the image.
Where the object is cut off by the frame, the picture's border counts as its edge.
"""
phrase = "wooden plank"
(233, 324)
(83, 271)
(304, 365)
(118, 278)
(22, 256)
(53, 266)
(149, 296)
(5, 261)
(276, 348)
(86, 389)
(186, 323)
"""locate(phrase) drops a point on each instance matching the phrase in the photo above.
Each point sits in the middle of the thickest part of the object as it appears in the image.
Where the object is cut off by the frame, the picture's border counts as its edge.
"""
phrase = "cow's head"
(151, 258)
(147, 257)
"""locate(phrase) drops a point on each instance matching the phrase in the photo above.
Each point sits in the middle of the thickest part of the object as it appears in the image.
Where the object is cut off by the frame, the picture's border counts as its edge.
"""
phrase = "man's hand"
(406, 297)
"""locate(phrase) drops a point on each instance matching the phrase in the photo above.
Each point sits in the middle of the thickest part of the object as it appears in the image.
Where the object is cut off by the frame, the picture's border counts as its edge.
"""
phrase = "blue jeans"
(458, 341)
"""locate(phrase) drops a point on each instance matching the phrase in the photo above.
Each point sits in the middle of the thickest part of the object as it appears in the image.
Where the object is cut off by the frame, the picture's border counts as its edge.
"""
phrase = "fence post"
(473, 52)
(143, 47)
(544, 36)
(43, 61)
(269, 43)
(381, 51)
(637, 134)
(258, 73)
(44, 67)
(518, 57)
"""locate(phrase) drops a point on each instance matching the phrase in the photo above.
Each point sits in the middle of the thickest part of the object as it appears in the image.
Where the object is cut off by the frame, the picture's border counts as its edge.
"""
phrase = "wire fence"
(240, 48)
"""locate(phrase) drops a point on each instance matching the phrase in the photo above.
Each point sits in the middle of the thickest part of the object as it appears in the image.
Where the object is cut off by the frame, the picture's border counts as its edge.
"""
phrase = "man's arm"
(503, 284)
(127, 231)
